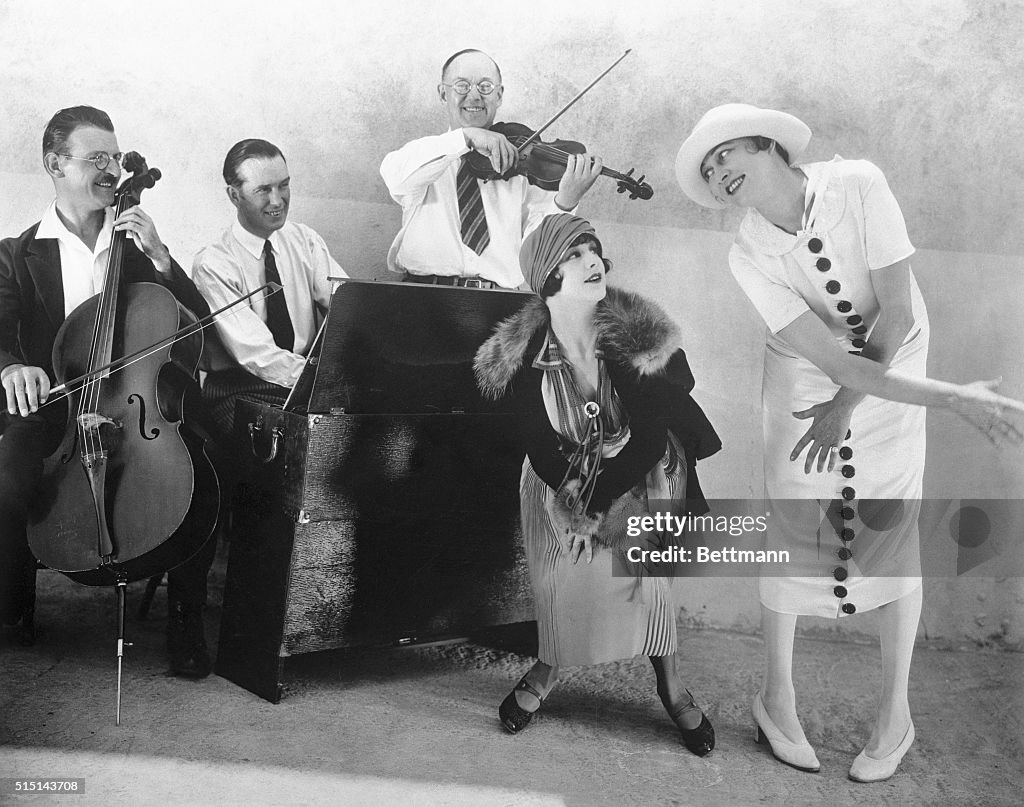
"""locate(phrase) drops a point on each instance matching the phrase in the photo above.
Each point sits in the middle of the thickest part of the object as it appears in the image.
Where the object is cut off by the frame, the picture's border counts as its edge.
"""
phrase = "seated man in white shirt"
(268, 338)
(458, 230)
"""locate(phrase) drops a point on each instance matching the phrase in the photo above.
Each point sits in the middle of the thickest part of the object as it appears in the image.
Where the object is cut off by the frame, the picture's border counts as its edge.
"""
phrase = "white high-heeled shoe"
(869, 769)
(797, 755)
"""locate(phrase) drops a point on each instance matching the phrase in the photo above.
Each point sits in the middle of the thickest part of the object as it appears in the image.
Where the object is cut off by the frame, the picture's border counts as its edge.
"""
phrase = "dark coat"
(648, 371)
(32, 295)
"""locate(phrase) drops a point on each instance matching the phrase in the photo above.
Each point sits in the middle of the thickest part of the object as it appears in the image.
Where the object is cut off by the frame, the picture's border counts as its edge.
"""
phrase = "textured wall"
(930, 91)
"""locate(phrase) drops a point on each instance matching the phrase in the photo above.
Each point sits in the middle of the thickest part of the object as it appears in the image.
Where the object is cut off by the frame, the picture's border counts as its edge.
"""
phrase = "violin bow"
(565, 108)
(65, 389)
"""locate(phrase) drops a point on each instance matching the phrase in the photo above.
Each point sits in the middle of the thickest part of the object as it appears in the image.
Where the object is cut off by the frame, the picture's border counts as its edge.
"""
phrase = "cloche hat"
(545, 246)
(729, 122)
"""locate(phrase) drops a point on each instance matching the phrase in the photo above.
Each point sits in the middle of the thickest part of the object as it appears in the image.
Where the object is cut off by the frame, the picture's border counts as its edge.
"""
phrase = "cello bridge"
(91, 421)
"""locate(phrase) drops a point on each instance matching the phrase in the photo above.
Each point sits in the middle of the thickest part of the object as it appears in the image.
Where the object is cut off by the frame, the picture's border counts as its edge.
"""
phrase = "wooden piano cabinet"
(368, 529)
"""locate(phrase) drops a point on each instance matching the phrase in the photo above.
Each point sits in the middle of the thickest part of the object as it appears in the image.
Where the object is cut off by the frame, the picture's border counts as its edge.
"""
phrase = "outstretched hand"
(828, 429)
(987, 411)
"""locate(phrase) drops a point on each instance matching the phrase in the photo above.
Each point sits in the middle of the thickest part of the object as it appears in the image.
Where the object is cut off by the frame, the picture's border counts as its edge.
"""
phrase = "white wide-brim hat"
(729, 122)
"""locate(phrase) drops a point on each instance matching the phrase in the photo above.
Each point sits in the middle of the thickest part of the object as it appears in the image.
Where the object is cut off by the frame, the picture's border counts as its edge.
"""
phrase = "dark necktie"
(473, 223)
(278, 321)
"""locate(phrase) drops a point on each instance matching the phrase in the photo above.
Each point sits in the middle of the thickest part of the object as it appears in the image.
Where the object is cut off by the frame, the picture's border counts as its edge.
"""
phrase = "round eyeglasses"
(101, 160)
(462, 87)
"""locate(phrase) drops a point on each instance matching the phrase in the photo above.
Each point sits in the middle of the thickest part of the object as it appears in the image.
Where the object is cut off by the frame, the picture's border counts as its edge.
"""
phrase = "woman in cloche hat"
(600, 390)
(824, 257)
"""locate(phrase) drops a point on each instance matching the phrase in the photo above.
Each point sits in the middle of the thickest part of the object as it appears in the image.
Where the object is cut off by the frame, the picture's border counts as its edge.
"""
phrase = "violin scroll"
(636, 188)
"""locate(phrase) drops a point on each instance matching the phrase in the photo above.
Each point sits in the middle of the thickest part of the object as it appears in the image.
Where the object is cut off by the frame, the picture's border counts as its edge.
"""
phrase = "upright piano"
(380, 504)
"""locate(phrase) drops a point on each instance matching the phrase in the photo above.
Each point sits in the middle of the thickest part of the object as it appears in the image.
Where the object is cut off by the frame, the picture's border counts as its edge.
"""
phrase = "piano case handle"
(255, 430)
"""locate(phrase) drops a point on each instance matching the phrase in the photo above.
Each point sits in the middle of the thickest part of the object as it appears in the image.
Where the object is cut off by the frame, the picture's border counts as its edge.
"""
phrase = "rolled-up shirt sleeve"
(410, 170)
(243, 332)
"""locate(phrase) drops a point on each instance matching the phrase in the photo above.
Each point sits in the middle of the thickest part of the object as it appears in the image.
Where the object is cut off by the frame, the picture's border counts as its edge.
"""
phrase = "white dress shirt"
(421, 177)
(233, 266)
(82, 270)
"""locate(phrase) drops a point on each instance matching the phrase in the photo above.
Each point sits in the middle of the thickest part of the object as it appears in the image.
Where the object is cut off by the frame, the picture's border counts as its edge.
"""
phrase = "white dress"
(852, 533)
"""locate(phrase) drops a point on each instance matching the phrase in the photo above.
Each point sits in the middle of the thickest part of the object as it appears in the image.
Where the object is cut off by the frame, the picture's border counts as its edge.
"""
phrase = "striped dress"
(607, 609)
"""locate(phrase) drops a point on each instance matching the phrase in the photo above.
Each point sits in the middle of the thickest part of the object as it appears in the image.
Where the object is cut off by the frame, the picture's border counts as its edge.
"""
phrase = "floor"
(418, 726)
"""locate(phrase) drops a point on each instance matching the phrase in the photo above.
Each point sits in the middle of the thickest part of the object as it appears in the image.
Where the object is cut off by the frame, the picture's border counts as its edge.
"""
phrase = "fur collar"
(631, 330)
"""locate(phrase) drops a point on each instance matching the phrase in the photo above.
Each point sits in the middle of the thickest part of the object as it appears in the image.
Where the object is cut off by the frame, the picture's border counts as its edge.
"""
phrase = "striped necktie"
(473, 223)
(278, 321)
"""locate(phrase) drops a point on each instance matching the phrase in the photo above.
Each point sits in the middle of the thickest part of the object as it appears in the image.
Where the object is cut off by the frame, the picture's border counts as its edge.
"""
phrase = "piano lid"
(401, 348)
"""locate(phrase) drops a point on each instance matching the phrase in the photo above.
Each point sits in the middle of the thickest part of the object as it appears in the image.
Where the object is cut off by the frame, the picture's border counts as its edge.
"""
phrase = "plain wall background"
(930, 91)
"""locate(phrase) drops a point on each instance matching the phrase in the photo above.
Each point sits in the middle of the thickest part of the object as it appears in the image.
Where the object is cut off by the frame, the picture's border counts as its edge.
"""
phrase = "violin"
(543, 162)
(128, 493)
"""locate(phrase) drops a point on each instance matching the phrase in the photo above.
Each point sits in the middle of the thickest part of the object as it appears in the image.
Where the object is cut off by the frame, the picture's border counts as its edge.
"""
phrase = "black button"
(845, 554)
(860, 329)
(833, 287)
(859, 343)
(849, 608)
(839, 591)
(823, 264)
(849, 471)
(814, 245)
(854, 319)
(839, 573)
(847, 513)
(843, 306)
(845, 453)
(849, 493)
(847, 534)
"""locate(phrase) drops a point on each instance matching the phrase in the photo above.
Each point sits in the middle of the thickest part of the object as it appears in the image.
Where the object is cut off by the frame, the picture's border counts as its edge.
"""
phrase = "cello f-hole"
(142, 417)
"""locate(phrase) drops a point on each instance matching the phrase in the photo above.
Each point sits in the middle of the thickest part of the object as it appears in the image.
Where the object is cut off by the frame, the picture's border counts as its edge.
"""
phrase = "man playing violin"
(45, 273)
(456, 229)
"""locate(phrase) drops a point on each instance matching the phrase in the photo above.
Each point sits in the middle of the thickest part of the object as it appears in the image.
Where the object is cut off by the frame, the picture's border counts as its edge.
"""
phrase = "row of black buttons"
(858, 329)
(846, 534)
(823, 264)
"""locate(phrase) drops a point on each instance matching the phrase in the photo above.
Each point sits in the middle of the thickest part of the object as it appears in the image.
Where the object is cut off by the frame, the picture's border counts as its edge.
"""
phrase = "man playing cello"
(45, 273)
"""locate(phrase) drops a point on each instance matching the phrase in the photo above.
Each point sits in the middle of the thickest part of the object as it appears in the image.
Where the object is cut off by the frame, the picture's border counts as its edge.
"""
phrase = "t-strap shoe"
(513, 716)
(699, 740)
(797, 755)
(869, 769)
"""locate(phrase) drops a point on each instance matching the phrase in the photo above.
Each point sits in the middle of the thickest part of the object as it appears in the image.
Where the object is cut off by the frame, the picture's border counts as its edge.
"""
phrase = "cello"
(129, 492)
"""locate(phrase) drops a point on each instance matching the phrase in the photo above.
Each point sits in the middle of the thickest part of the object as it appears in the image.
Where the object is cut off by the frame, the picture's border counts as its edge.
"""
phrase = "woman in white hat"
(823, 255)
(600, 390)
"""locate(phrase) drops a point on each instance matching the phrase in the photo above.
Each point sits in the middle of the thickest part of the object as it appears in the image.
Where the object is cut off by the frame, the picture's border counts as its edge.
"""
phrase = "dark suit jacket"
(32, 295)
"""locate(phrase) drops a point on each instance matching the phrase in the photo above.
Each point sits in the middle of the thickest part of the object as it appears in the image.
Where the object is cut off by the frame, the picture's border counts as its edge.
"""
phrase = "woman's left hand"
(827, 432)
(580, 543)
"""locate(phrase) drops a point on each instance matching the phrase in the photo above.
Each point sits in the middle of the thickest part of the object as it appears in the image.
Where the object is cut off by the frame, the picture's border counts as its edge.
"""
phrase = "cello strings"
(102, 336)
